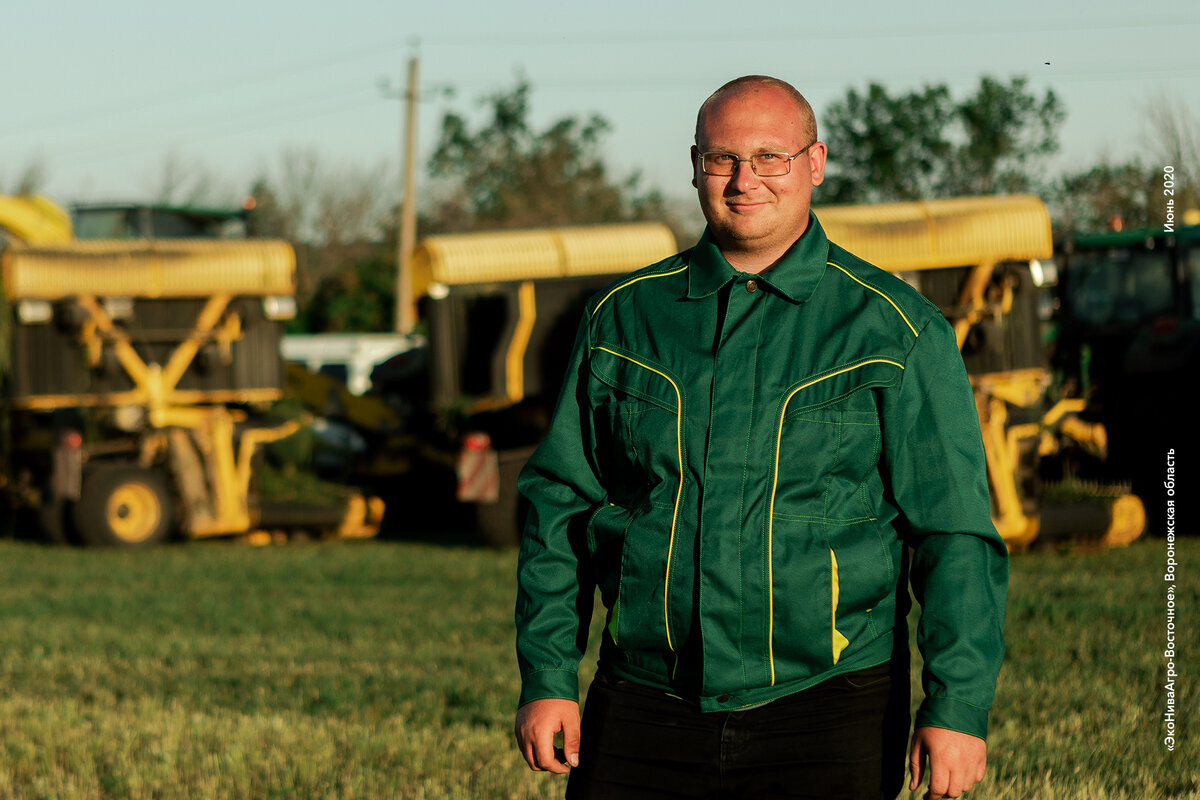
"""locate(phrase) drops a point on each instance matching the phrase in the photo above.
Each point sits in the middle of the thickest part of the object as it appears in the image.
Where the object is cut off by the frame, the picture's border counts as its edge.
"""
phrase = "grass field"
(386, 670)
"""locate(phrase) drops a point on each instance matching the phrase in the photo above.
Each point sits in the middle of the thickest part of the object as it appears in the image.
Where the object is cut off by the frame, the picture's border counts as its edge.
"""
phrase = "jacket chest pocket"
(636, 416)
(825, 459)
(829, 444)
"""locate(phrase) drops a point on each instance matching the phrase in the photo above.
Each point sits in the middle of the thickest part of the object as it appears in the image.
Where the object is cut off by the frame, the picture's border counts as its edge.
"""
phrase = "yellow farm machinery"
(136, 374)
(500, 311)
(980, 259)
(138, 369)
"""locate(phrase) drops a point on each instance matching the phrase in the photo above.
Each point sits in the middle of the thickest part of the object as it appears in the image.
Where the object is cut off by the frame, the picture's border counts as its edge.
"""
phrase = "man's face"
(756, 219)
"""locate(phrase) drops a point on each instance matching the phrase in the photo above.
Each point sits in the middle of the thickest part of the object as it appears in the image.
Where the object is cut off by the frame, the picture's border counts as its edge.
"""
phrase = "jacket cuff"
(547, 683)
(955, 715)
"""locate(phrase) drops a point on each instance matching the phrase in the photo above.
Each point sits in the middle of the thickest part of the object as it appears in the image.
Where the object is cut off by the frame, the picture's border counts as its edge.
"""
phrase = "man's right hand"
(537, 723)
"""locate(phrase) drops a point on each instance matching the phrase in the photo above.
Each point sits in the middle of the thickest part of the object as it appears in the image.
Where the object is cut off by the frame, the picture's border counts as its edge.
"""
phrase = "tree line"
(502, 172)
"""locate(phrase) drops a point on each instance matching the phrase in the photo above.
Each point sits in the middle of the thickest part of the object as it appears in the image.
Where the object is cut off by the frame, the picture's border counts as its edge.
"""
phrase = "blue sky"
(101, 95)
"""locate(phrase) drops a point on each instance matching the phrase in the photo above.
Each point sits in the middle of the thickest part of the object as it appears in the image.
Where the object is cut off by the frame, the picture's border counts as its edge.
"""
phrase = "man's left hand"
(956, 761)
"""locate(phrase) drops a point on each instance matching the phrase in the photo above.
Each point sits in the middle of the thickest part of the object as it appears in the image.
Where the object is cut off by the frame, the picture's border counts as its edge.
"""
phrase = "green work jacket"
(748, 468)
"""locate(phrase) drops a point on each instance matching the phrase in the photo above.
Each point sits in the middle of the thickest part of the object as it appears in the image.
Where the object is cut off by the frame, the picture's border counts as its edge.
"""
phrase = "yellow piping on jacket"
(839, 641)
(678, 443)
(633, 281)
(878, 292)
(678, 489)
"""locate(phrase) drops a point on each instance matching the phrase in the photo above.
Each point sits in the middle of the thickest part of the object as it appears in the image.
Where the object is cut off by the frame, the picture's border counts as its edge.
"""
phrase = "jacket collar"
(795, 276)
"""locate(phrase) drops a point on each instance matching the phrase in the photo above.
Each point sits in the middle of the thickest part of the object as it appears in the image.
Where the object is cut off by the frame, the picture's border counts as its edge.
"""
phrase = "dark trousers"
(843, 738)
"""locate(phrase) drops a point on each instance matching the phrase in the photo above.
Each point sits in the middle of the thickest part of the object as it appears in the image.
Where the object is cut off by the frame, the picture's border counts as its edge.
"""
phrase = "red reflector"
(72, 439)
(478, 470)
(477, 441)
(1164, 326)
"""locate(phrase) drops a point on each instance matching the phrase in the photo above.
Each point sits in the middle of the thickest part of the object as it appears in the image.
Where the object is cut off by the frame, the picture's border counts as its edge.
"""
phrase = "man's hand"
(537, 723)
(956, 761)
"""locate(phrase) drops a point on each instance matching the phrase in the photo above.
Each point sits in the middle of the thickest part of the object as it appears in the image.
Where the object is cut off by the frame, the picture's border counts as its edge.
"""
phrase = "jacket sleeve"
(959, 568)
(555, 588)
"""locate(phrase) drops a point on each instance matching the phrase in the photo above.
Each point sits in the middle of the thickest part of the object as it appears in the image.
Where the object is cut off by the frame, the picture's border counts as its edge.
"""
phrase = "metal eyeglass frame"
(788, 161)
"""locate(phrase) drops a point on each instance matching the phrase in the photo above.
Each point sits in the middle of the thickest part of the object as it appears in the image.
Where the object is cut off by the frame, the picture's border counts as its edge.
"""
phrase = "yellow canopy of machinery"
(933, 234)
(150, 268)
(539, 253)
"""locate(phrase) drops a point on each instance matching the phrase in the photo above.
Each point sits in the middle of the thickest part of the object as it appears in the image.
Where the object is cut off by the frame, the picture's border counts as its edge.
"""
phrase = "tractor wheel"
(124, 507)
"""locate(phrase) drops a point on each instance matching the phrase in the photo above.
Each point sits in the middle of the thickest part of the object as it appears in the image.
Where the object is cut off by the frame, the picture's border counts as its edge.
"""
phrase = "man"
(758, 441)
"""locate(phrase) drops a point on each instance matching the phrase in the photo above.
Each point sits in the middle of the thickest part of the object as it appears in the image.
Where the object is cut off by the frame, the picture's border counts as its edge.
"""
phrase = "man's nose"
(744, 176)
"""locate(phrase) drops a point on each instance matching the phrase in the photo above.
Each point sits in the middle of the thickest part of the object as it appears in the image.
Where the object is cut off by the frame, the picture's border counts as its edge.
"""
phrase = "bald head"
(750, 83)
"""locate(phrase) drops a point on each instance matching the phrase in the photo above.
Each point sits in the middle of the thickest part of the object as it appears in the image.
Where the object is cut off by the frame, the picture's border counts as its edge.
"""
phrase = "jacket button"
(751, 285)
(723, 698)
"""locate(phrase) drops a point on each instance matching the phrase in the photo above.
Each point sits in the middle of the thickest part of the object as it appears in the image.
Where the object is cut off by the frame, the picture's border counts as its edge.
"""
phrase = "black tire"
(124, 507)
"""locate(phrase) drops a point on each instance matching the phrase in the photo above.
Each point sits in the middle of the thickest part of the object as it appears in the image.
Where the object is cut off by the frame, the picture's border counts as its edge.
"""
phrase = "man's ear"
(816, 158)
(695, 164)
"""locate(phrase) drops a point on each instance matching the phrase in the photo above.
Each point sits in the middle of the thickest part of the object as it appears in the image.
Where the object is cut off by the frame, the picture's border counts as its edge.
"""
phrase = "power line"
(610, 38)
(194, 91)
(223, 128)
(736, 34)
(260, 116)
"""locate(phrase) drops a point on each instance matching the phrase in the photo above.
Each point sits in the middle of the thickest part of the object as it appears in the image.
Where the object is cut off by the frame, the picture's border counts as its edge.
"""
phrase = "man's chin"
(745, 233)
(749, 231)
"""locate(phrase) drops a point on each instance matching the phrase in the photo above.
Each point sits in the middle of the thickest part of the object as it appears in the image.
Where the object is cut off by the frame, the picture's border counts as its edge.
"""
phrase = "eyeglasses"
(765, 165)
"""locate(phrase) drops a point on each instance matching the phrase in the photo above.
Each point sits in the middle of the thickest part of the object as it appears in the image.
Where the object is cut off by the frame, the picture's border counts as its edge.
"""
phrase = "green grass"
(1080, 701)
(386, 670)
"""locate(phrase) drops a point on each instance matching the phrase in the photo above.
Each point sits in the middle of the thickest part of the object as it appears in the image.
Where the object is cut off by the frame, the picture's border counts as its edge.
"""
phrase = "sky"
(100, 97)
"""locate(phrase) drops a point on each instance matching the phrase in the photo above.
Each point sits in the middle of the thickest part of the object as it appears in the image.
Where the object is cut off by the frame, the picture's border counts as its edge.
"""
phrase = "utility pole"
(406, 231)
